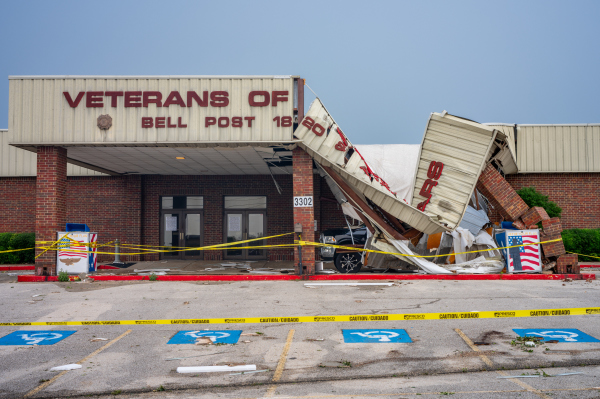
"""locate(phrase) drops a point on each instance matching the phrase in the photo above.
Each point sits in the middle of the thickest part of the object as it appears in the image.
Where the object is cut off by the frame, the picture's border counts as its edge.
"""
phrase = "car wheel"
(348, 262)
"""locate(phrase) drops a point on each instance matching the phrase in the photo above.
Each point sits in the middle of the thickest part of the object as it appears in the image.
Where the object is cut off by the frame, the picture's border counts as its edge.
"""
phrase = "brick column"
(51, 203)
(303, 186)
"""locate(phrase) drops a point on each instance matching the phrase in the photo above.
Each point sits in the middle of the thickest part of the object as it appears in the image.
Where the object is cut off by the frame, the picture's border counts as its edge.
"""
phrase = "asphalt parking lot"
(465, 357)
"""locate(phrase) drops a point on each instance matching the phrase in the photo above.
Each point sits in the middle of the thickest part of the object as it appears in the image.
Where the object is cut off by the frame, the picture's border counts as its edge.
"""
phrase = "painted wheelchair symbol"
(381, 336)
(212, 335)
(557, 334)
(33, 339)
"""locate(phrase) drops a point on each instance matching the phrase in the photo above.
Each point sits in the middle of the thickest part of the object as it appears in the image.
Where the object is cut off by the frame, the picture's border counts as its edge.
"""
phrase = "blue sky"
(380, 67)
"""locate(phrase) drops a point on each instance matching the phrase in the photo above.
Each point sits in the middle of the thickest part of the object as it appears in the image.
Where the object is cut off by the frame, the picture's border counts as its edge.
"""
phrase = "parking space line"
(487, 361)
(281, 364)
(56, 377)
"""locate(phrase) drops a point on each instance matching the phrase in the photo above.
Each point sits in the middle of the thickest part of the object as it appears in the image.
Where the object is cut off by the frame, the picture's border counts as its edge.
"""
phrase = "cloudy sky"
(380, 67)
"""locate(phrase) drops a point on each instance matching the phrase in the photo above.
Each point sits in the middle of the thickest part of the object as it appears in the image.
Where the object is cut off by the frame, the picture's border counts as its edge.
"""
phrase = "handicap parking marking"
(559, 334)
(376, 336)
(36, 337)
(217, 337)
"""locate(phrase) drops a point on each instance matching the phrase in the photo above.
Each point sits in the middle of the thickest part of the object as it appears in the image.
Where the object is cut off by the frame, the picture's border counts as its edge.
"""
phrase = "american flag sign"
(68, 248)
(524, 258)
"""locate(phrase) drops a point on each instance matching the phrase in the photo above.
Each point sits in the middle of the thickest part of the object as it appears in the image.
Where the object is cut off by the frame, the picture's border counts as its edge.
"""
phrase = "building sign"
(303, 202)
(151, 109)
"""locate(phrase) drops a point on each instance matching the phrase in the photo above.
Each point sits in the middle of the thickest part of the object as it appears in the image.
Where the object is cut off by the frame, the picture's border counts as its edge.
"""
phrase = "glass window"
(195, 202)
(167, 203)
(182, 202)
(232, 202)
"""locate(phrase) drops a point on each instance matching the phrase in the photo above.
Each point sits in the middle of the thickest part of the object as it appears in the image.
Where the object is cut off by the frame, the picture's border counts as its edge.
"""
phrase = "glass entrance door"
(245, 225)
(180, 230)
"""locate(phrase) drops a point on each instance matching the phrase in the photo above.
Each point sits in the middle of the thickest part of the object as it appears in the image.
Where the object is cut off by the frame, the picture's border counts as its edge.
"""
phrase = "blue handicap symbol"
(217, 337)
(559, 334)
(36, 337)
(376, 336)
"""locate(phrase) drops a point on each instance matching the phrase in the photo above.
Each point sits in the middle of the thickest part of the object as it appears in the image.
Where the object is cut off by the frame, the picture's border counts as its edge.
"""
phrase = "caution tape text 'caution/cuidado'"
(342, 318)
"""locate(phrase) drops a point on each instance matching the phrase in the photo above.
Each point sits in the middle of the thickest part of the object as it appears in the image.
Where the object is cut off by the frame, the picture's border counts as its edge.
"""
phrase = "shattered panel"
(453, 153)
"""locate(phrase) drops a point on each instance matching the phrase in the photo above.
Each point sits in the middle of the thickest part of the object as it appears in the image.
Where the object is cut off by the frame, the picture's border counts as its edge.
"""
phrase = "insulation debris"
(66, 367)
(215, 369)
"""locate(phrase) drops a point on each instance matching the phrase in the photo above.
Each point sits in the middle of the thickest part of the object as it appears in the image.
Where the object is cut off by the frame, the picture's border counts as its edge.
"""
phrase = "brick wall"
(214, 189)
(51, 205)
(110, 206)
(17, 205)
(127, 207)
(304, 186)
(578, 194)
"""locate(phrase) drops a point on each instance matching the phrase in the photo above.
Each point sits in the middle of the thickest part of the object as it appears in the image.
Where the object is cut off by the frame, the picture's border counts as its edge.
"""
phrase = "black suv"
(344, 261)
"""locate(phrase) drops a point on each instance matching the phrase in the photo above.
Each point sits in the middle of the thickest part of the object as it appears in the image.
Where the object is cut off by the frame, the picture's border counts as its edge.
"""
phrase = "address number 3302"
(302, 202)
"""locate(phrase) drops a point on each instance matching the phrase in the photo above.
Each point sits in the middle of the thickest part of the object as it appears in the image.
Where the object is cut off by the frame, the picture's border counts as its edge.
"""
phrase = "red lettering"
(147, 122)
(169, 122)
(133, 99)
(156, 100)
(249, 119)
(308, 122)
(160, 122)
(219, 99)
(192, 95)
(93, 99)
(427, 186)
(72, 103)
(435, 170)
(210, 120)
(236, 121)
(423, 204)
(254, 103)
(225, 121)
(278, 97)
(318, 129)
(174, 98)
(113, 97)
(179, 123)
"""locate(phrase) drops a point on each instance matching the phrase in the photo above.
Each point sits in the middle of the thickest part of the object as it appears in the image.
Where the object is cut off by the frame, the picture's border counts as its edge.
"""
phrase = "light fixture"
(179, 157)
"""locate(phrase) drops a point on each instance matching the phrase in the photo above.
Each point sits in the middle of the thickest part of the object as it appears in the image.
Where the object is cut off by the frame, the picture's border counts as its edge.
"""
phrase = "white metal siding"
(463, 147)
(558, 148)
(40, 114)
(15, 162)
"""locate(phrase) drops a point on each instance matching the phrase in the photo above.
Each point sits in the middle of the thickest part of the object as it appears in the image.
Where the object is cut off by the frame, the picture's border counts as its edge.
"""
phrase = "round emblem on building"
(104, 122)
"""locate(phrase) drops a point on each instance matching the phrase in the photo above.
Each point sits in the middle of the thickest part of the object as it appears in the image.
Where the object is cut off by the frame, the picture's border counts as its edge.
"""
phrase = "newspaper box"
(74, 256)
(520, 259)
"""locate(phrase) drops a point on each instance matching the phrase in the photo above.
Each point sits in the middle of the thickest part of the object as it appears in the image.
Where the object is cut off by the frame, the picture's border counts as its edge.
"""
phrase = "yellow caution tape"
(575, 253)
(343, 318)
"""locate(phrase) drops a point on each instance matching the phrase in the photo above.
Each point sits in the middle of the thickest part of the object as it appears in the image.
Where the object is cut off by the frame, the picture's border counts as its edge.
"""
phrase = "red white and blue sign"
(376, 336)
(558, 334)
(36, 337)
(217, 337)
(524, 256)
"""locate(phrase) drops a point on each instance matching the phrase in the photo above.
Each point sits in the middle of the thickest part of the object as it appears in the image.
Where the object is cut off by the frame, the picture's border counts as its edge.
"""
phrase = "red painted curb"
(454, 277)
(21, 267)
(587, 265)
(583, 276)
(199, 278)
